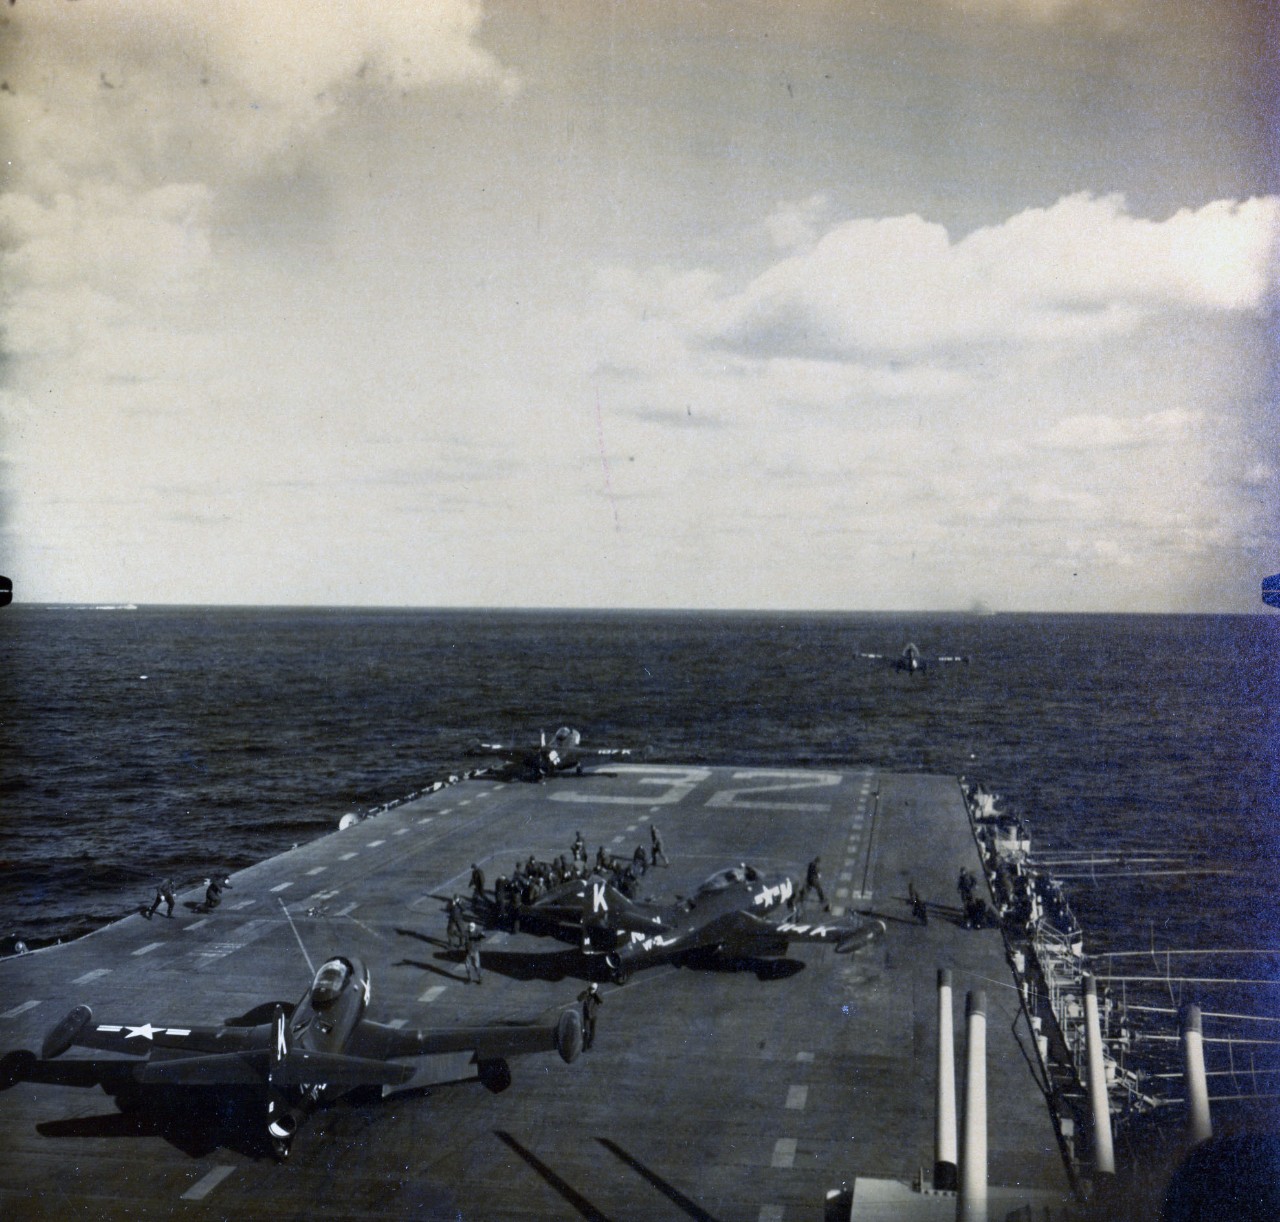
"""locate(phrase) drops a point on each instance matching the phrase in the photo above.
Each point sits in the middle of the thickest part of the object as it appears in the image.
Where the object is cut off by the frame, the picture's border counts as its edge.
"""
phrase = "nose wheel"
(281, 1147)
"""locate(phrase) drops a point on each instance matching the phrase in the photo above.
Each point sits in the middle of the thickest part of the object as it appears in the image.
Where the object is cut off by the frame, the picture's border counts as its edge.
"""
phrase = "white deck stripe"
(22, 1009)
(317, 870)
(797, 1097)
(350, 908)
(347, 856)
(146, 950)
(373, 844)
(784, 1152)
(402, 831)
(397, 1023)
(202, 1188)
(770, 1213)
(281, 887)
(432, 993)
(804, 1056)
(243, 904)
(96, 974)
(196, 924)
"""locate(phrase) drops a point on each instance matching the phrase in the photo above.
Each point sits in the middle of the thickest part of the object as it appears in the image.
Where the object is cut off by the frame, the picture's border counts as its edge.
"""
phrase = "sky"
(825, 305)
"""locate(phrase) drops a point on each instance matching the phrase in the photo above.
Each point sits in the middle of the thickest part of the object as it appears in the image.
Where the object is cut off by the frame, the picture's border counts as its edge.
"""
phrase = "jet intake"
(871, 932)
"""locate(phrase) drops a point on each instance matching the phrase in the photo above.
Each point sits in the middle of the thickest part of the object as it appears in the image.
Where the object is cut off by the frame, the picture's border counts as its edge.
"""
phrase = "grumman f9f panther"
(314, 1052)
(911, 659)
(563, 753)
(726, 918)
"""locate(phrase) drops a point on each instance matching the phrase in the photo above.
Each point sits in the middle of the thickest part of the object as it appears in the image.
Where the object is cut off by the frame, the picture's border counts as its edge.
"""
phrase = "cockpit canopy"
(723, 879)
(330, 980)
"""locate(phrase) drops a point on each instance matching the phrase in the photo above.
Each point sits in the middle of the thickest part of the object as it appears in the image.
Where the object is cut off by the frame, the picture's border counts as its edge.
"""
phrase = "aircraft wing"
(598, 903)
(374, 1040)
(141, 1039)
(754, 935)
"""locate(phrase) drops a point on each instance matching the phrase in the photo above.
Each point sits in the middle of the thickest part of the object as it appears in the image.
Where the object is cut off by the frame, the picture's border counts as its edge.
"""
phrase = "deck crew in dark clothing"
(457, 931)
(472, 951)
(164, 894)
(213, 892)
(657, 850)
(591, 1002)
(477, 882)
(813, 882)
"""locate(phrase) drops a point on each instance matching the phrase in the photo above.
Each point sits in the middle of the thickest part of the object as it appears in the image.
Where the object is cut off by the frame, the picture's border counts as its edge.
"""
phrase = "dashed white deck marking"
(202, 1188)
(244, 904)
(146, 950)
(317, 870)
(22, 1009)
(804, 1056)
(797, 1097)
(397, 1023)
(96, 974)
(427, 819)
(281, 887)
(617, 840)
(348, 856)
(347, 911)
(784, 1152)
(632, 827)
(432, 993)
(402, 831)
(196, 924)
(373, 844)
(770, 1213)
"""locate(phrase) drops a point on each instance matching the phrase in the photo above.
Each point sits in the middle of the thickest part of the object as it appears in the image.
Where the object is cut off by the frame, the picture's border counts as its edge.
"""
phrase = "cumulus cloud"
(1081, 270)
(125, 122)
(1100, 432)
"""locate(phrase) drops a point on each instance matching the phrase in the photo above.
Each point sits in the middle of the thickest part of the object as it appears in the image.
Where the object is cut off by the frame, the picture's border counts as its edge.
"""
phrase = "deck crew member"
(656, 850)
(477, 882)
(813, 882)
(591, 1003)
(164, 894)
(472, 951)
(579, 848)
(456, 933)
(213, 892)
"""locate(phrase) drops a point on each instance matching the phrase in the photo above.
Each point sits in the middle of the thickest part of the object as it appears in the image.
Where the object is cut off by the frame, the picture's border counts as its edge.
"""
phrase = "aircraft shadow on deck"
(194, 1119)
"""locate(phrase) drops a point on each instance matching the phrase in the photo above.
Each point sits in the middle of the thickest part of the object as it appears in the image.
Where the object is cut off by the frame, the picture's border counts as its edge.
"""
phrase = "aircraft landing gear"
(281, 1147)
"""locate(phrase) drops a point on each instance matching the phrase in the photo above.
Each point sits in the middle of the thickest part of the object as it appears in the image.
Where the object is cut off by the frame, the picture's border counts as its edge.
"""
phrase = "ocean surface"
(139, 743)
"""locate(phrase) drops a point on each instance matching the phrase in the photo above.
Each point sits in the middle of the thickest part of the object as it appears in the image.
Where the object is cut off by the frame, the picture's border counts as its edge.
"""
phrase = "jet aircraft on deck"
(725, 917)
(564, 752)
(316, 1051)
(911, 659)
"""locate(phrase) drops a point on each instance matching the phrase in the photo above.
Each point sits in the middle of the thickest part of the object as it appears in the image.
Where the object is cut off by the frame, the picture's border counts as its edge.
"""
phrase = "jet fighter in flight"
(911, 659)
(725, 917)
(564, 752)
(318, 1050)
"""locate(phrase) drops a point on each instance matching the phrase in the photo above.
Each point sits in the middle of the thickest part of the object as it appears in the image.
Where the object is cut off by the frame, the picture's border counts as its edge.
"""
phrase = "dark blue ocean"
(182, 740)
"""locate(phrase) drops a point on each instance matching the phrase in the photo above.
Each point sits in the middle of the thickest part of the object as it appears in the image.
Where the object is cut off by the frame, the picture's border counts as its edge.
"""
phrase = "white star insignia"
(146, 1031)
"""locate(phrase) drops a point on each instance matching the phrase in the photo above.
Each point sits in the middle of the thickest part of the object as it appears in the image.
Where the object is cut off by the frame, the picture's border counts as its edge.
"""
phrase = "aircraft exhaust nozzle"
(283, 1126)
(871, 932)
(569, 1036)
(64, 1034)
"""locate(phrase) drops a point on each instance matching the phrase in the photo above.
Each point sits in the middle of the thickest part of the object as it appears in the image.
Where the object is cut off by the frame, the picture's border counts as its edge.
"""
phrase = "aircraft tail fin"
(605, 907)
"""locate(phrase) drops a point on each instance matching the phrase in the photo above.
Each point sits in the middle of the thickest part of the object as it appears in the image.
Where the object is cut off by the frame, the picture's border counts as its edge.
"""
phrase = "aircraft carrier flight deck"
(745, 1091)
